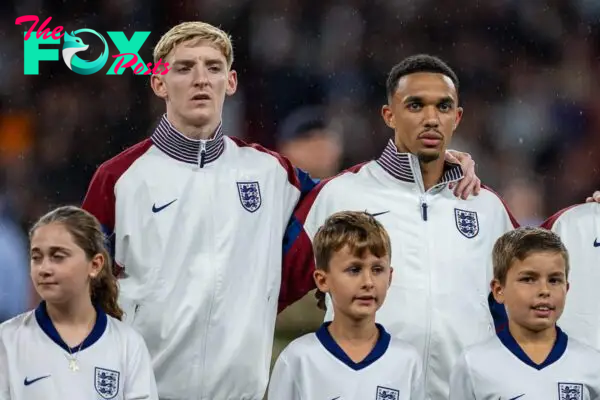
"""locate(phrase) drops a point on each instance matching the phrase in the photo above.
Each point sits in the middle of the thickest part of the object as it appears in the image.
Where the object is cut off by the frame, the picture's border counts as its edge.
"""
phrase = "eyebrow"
(419, 99)
(52, 249)
(190, 62)
(530, 272)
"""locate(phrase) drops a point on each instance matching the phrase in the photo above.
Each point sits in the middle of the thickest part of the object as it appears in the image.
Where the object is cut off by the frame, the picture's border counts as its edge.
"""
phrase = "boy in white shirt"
(351, 357)
(532, 358)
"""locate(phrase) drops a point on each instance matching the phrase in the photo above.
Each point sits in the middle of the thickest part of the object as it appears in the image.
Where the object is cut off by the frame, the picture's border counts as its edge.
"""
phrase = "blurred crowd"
(312, 81)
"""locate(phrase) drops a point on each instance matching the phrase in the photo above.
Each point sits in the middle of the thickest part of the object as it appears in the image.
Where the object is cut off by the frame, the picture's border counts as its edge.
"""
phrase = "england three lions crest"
(384, 393)
(106, 383)
(466, 222)
(249, 195)
(570, 391)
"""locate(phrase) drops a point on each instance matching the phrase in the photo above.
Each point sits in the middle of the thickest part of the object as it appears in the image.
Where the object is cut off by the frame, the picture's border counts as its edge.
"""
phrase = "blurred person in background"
(15, 287)
(525, 199)
(311, 142)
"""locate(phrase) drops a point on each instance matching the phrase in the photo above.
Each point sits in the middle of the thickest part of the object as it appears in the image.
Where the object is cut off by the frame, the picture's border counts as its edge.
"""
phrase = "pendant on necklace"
(73, 365)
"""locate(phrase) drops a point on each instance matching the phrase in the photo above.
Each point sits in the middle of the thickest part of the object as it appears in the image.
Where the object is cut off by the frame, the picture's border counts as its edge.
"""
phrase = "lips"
(543, 310)
(201, 96)
(431, 138)
(365, 298)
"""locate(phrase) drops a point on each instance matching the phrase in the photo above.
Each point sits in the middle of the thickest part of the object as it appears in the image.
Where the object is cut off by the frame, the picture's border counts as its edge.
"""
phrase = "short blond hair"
(198, 32)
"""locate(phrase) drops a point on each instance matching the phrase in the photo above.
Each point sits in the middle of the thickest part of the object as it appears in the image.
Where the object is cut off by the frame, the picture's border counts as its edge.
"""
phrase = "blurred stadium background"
(312, 76)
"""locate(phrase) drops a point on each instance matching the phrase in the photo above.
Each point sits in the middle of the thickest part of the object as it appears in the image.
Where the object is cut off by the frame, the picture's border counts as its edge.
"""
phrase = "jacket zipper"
(202, 153)
(424, 206)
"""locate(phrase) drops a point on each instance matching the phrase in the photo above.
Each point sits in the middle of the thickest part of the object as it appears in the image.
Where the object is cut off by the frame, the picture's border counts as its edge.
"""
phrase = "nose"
(200, 75)
(431, 120)
(544, 289)
(44, 269)
(368, 279)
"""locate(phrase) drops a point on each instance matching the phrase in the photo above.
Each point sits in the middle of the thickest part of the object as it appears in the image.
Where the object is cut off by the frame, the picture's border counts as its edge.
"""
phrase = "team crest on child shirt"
(466, 222)
(106, 382)
(570, 391)
(249, 195)
(384, 393)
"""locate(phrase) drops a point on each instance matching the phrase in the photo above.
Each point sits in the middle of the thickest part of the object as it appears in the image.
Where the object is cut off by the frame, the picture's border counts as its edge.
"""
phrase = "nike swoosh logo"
(335, 398)
(27, 382)
(159, 209)
(596, 243)
(375, 215)
(518, 397)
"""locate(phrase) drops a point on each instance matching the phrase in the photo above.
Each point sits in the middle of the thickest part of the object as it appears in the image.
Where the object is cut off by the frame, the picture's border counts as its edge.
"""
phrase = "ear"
(388, 116)
(568, 286)
(459, 114)
(320, 278)
(497, 291)
(391, 274)
(231, 83)
(159, 86)
(97, 264)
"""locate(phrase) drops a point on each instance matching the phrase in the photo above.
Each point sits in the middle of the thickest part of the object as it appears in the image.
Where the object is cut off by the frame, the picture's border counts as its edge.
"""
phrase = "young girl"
(73, 346)
(352, 357)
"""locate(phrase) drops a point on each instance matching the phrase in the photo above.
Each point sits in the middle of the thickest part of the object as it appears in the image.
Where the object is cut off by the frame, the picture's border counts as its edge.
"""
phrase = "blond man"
(197, 220)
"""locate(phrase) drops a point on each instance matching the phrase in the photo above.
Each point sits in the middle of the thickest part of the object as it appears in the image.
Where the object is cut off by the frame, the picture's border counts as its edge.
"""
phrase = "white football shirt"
(314, 366)
(499, 369)
(113, 361)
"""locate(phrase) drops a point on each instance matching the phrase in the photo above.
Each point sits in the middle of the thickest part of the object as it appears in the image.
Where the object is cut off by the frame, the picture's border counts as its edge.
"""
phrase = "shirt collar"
(43, 319)
(558, 349)
(405, 166)
(194, 151)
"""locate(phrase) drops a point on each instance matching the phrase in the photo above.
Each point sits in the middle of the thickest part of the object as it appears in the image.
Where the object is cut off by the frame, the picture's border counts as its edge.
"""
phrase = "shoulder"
(299, 347)
(118, 164)
(253, 154)
(340, 180)
(405, 351)
(14, 325)
(580, 349)
(125, 333)
(476, 355)
(317, 204)
(248, 152)
(572, 215)
(493, 201)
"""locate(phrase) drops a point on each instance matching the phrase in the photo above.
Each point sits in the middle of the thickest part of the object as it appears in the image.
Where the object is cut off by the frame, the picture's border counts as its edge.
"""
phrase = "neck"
(75, 312)
(344, 329)
(432, 172)
(193, 131)
(527, 338)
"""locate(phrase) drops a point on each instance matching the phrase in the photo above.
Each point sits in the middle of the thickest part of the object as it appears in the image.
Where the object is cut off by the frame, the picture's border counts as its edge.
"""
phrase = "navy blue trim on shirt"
(383, 342)
(44, 321)
(498, 312)
(559, 348)
(307, 183)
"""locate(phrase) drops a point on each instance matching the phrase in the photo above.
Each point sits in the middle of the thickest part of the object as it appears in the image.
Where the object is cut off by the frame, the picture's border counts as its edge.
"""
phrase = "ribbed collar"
(405, 166)
(194, 151)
